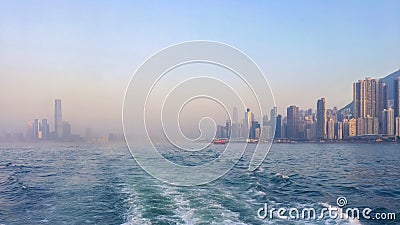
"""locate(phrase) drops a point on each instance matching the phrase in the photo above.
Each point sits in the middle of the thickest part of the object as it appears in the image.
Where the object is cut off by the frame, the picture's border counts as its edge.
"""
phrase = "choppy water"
(75, 184)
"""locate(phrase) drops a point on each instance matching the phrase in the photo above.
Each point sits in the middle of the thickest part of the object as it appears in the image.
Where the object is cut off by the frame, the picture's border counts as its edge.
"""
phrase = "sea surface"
(56, 183)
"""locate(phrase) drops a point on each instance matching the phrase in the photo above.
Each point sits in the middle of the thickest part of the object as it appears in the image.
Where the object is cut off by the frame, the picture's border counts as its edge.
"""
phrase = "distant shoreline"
(280, 141)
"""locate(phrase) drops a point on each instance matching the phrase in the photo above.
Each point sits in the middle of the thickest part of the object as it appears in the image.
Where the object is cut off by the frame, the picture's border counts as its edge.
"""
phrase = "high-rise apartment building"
(330, 129)
(278, 130)
(367, 126)
(370, 99)
(338, 130)
(388, 122)
(346, 128)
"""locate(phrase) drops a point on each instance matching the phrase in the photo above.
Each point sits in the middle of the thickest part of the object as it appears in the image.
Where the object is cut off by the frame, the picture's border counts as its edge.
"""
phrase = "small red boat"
(219, 141)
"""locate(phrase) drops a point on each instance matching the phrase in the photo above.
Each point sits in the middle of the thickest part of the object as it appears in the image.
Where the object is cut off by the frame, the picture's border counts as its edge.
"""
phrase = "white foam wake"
(134, 213)
(351, 221)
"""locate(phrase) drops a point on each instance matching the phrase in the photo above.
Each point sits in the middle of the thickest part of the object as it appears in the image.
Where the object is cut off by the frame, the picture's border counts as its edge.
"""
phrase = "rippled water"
(82, 184)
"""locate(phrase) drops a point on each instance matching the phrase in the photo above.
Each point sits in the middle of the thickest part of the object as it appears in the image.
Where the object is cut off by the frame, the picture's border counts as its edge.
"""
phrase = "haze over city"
(200, 112)
(79, 52)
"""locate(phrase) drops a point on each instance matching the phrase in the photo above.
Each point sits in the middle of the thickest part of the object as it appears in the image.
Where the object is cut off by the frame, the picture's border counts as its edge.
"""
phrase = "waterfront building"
(321, 119)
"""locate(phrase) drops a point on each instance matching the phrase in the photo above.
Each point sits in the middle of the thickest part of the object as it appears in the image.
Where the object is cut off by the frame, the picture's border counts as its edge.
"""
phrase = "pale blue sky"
(85, 51)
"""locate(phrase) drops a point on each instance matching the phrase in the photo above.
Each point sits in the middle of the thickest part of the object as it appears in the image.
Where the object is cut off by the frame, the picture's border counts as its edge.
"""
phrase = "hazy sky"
(84, 52)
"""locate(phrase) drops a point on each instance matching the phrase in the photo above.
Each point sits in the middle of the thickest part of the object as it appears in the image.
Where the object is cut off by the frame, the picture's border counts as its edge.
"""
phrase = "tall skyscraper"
(248, 119)
(36, 129)
(321, 119)
(57, 118)
(292, 122)
(278, 130)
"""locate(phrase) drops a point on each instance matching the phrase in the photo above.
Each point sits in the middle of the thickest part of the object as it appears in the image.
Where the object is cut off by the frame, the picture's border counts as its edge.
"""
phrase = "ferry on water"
(219, 141)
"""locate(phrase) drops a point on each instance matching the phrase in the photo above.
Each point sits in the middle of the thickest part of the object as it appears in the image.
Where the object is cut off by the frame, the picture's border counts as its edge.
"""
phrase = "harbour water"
(102, 184)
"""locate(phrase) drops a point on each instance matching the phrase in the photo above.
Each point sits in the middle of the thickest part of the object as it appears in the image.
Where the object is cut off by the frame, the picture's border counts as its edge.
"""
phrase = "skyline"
(39, 129)
(85, 53)
(378, 91)
(58, 115)
(374, 116)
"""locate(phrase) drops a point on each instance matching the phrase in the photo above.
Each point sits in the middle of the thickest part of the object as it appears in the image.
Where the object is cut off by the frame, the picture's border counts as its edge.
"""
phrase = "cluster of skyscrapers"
(372, 111)
(249, 129)
(40, 129)
(373, 116)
